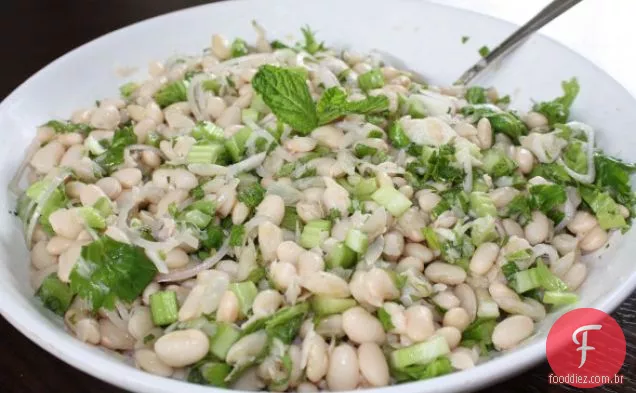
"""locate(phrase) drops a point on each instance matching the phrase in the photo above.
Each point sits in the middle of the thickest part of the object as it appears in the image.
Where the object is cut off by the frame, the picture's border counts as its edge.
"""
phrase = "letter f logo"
(584, 347)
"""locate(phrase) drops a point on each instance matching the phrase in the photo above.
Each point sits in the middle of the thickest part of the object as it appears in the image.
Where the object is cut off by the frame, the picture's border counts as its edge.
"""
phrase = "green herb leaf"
(239, 48)
(286, 93)
(475, 95)
(252, 195)
(437, 367)
(285, 323)
(114, 156)
(558, 110)
(333, 105)
(171, 93)
(237, 235)
(484, 51)
(65, 127)
(311, 45)
(109, 271)
(605, 208)
(127, 89)
(385, 320)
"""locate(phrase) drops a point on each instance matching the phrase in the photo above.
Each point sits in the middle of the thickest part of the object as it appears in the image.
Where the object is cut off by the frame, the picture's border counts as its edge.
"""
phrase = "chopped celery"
(249, 115)
(398, 137)
(236, 144)
(416, 108)
(341, 256)
(314, 233)
(559, 298)
(440, 366)
(479, 333)
(486, 307)
(94, 146)
(92, 217)
(548, 280)
(526, 280)
(226, 335)
(482, 205)
(365, 187)
(371, 80)
(324, 306)
(196, 218)
(291, 221)
(55, 295)
(164, 307)
(208, 153)
(361, 150)
(214, 373)
(245, 292)
(204, 206)
(432, 240)
(385, 319)
(483, 230)
(103, 206)
(421, 353)
(392, 200)
(357, 241)
(171, 93)
(204, 130)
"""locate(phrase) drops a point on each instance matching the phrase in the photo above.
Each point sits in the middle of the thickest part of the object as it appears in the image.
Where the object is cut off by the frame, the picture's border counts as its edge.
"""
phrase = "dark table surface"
(35, 32)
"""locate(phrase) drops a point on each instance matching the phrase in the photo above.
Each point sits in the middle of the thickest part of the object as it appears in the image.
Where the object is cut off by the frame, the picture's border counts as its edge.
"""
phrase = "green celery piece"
(226, 335)
(55, 295)
(392, 200)
(341, 256)
(245, 293)
(560, 298)
(92, 217)
(164, 308)
(357, 241)
(214, 373)
(236, 144)
(421, 353)
(324, 306)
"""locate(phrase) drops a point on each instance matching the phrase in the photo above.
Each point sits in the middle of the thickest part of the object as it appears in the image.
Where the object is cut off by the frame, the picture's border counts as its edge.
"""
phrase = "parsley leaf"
(546, 197)
(114, 156)
(311, 45)
(109, 271)
(171, 93)
(484, 51)
(286, 93)
(252, 195)
(558, 110)
(612, 175)
(64, 127)
(475, 95)
(237, 235)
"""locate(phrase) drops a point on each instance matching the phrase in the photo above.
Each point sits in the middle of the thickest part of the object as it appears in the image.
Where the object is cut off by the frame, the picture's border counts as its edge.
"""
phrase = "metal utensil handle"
(550, 12)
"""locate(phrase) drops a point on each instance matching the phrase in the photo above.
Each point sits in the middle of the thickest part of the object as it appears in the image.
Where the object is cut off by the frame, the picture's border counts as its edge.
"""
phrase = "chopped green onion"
(496, 163)
(92, 217)
(205, 154)
(164, 308)
(55, 295)
(324, 306)
(526, 280)
(392, 200)
(486, 307)
(291, 221)
(560, 298)
(361, 150)
(476, 95)
(341, 256)
(245, 293)
(365, 187)
(204, 206)
(385, 319)
(421, 353)
(482, 205)
(416, 108)
(371, 80)
(357, 241)
(226, 335)
(94, 146)
(432, 240)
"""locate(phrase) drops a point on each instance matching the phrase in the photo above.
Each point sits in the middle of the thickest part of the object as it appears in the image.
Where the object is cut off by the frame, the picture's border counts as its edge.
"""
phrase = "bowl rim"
(123, 375)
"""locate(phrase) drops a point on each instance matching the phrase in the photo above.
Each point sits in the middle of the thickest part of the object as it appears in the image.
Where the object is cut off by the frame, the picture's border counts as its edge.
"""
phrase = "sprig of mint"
(286, 93)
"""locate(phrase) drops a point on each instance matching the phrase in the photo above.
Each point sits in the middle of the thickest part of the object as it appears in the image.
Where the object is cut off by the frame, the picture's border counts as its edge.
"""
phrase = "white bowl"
(426, 37)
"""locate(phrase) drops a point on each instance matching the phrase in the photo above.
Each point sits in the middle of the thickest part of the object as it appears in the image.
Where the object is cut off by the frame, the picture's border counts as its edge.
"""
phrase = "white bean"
(149, 290)
(110, 186)
(87, 330)
(273, 207)
(221, 47)
(561, 266)
(535, 120)
(114, 338)
(106, 117)
(502, 196)
(140, 323)
(582, 223)
(538, 229)
(309, 263)
(228, 310)
(451, 334)
(270, 237)
(419, 251)
(308, 211)
(300, 144)
(329, 136)
(575, 276)
(483, 258)
(240, 211)
(148, 361)
(40, 257)
(393, 245)
(484, 133)
(411, 223)
(306, 387)
(419, 323)
(324, 283)
(445, 273)
(67, 261)
(343, 372)
(182, 347)
(74, 188)
(266, 303)
(72, 156)
(177, 258)
(457, 317)
(315, 348)
(467, 299)
(564, 243)
(90, 194)
(461, 359)
(361, 327)
(128, 177)
(410, 263)
(57, 245)
(379, 287)
(47, 157)
(511, 331)
(283, 274)
(446, 299)
(524, 159)
(594, 239)
(512, 227)
(335, 197)
(289, 251)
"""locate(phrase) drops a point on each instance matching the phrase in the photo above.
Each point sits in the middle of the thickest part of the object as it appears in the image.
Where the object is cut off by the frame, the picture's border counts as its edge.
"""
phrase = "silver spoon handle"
(550, 12)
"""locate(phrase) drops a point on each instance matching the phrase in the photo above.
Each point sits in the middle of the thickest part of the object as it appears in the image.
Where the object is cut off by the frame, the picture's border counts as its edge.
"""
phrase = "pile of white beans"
(342, 351)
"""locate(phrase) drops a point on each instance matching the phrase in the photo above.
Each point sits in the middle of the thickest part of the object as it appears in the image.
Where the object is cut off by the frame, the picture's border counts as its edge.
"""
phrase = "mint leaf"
(109, 270)
(333, 104)
(286, 93)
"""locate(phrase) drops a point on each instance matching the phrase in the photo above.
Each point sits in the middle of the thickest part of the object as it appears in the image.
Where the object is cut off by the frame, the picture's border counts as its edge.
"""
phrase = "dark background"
(32, 34)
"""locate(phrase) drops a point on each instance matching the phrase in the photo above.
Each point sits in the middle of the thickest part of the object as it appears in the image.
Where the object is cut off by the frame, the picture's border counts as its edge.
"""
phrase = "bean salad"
(287, 216)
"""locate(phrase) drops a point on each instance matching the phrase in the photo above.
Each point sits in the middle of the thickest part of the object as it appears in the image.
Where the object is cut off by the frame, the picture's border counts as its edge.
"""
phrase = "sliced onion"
(374, 252)
(250, 144)
(14, 185)
(261, 39)
(245, 165)
(540, 250)
(569, 210)
(309, 182)
(590, 175)
(289, 194)
(116, 320)
(208, 169)
(184, 274)
(468, 180)
(197, 96)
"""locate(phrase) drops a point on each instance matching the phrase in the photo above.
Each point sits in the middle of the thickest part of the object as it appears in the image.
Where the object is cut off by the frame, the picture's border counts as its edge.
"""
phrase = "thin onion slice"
(245, 165)
(14, 185)
(184, 274)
